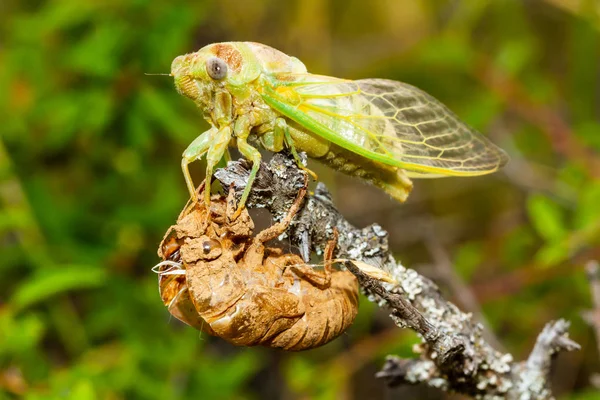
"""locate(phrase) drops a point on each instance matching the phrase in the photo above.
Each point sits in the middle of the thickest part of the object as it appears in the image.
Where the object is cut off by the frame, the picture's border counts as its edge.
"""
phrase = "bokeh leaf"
(56, 280)
(546, 217)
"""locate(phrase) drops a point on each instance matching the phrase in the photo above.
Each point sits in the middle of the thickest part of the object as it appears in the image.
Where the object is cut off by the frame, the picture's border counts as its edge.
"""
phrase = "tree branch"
(454, 356)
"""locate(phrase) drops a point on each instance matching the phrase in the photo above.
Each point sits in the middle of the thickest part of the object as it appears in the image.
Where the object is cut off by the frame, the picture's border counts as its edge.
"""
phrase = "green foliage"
(90, 180)
(583, 395)
(47, 283)
(467, 258)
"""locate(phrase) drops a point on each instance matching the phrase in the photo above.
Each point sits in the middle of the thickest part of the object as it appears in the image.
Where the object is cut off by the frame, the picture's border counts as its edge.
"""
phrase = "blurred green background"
(90, 180)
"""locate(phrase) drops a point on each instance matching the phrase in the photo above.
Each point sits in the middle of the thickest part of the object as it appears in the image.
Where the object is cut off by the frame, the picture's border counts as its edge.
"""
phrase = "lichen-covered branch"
(453, 355)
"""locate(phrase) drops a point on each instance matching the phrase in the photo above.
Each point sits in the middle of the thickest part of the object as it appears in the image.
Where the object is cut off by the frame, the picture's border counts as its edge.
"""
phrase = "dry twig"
(454, 355)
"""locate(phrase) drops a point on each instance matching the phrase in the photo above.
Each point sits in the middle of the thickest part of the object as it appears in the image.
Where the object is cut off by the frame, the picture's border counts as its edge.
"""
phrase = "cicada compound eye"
(211, 249)
(216, 68)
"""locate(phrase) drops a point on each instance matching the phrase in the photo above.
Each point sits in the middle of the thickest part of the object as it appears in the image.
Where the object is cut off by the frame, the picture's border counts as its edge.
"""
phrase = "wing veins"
(346, 112)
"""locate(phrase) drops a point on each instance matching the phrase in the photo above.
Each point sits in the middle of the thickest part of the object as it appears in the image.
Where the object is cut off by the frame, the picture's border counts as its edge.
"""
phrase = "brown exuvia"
(216, 277)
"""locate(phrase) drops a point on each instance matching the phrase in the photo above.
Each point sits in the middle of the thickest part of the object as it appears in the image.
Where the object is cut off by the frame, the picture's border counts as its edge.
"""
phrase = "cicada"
(382, 131)
(219, 278)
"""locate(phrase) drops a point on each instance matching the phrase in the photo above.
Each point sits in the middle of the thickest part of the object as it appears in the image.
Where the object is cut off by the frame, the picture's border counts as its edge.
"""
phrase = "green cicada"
(382, 131)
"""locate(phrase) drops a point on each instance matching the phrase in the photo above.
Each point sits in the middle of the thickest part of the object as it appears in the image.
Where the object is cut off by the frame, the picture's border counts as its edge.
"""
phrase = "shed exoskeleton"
(216, 277)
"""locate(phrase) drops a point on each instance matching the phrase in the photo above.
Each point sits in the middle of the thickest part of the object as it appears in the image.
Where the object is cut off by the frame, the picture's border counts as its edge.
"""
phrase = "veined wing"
(387, 121)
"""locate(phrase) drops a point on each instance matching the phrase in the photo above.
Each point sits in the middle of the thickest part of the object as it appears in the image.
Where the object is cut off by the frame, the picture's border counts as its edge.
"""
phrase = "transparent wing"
(389, 121)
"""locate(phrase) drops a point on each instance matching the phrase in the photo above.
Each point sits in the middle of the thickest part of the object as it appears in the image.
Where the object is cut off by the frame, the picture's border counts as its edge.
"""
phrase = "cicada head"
(216, 67)
(173, 284)
(229, 66)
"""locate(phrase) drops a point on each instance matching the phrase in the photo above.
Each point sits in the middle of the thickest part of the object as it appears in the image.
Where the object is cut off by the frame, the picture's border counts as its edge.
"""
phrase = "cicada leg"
(253, 155)
(277, 229)
(213, 143)
(194, 152)
(255, 254)
(319, 278)
(282, 127)
(216, 151)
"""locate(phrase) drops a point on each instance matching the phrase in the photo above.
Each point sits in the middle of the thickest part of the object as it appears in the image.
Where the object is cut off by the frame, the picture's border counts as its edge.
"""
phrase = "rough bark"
(453, 355)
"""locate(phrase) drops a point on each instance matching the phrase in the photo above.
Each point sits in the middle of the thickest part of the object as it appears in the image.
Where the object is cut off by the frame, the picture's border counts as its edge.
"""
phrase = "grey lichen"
(454, 356)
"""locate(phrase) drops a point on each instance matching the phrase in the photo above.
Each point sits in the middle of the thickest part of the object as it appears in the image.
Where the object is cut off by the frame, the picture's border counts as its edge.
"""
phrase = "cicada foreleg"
(217, 150)
(281, 129)
(213, 143)
(194, 152)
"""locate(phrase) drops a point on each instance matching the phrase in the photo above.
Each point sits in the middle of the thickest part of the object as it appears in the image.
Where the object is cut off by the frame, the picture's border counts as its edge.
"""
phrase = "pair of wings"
(386, 121)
